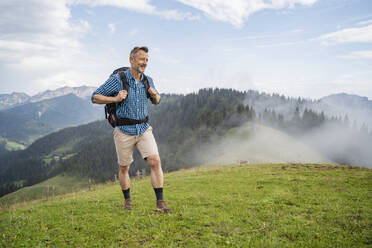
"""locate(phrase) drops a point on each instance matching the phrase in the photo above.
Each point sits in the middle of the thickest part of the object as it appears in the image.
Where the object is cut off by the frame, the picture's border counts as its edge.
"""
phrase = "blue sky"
(307, 48)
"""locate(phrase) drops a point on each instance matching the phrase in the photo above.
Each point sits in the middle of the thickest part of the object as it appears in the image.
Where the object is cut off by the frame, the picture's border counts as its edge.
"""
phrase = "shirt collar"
(129, 74)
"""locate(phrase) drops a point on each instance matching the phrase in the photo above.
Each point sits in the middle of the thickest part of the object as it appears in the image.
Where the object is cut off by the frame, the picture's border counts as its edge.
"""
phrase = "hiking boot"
(162, 207)
(128, 204)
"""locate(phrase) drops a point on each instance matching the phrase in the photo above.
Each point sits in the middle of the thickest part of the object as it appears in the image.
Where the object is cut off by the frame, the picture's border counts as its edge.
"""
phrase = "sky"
(298, 48)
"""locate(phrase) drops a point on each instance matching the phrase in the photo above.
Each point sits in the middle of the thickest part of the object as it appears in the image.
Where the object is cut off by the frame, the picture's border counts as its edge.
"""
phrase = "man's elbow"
(94, 99)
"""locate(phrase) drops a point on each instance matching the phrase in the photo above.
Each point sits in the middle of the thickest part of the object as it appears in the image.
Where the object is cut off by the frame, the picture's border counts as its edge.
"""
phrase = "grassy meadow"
(263, 205)
(57, 185)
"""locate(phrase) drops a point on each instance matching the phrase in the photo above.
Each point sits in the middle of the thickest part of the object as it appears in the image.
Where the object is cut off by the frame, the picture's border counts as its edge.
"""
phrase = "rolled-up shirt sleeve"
(109, 88)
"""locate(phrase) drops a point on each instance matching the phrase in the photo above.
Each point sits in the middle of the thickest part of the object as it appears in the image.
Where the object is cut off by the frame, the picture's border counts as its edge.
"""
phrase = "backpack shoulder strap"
(147, 85)
(124, 80)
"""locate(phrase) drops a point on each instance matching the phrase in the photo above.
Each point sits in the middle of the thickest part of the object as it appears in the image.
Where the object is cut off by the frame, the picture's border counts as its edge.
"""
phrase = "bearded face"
(139, 61)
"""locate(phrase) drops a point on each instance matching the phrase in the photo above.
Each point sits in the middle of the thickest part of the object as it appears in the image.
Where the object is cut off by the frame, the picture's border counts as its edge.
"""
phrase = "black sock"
(126, 193)
(159, 193)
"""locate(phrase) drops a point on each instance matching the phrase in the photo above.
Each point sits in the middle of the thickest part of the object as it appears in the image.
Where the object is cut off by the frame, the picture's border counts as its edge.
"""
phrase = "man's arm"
(101, 99)
(104, 93)
(154, 95)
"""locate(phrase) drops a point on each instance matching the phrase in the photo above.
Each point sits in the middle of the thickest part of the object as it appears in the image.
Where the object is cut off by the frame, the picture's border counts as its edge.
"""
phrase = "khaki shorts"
(125, 143)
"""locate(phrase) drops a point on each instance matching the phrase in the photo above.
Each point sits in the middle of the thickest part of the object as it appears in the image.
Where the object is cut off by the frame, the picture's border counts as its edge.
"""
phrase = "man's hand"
(152, 92)
(155, 97)
(121, 95)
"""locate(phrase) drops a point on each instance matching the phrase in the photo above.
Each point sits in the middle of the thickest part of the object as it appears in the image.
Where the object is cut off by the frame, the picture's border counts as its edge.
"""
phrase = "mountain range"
(188, 128)
(27, 118)
(17, 98)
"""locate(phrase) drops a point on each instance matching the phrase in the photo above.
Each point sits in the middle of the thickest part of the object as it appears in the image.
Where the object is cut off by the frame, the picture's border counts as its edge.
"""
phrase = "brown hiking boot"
(162, 207)
(128, 204)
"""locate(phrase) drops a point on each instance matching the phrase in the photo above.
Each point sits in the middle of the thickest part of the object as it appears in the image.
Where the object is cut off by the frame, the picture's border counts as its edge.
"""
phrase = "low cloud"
(255, 143)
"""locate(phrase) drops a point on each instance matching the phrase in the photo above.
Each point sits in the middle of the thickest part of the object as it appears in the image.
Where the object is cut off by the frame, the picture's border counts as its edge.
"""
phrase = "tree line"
(182, 123)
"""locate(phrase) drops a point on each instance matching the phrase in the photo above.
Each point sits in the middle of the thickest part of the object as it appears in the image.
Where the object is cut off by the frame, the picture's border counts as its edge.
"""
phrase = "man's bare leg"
(157, 181)
(124, 177)
(125, 186)
(156, 171)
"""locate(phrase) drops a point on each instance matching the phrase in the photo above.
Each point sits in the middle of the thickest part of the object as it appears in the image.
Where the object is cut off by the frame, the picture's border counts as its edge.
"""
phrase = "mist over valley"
(210, 127)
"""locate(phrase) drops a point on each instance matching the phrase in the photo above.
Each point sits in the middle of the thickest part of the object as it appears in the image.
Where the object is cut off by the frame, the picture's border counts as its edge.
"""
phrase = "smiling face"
(138, 61)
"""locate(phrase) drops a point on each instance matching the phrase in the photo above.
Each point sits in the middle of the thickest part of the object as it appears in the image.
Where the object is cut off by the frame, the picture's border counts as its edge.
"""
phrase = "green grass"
(11, 145)
(66, 148)
(271, 205)
(61, 184)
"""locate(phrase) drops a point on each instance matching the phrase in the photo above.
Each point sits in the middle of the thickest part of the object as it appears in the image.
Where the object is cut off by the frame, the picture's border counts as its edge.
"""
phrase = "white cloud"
(365, 22)
(112, 27)
(38, 38)
(289, 43)
(140, 6)
(41, 39)
(365, 54)
(347, 35)
(237, 11)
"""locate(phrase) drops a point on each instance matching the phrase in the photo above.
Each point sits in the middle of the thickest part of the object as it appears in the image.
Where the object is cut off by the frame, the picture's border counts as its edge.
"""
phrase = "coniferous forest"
(181, 125)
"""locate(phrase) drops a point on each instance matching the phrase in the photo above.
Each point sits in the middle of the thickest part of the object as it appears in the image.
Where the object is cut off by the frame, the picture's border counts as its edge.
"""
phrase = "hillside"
(357, 108)
(54, 186)
(208, 127)
(246, 143)
(24, 123)
(32, 165)
(266, 205)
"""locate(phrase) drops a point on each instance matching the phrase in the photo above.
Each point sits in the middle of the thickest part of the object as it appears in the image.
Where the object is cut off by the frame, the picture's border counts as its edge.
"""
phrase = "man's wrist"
(116, 99)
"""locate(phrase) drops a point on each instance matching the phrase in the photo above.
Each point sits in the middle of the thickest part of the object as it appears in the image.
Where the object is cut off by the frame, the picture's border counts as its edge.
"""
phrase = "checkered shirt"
(134, 106)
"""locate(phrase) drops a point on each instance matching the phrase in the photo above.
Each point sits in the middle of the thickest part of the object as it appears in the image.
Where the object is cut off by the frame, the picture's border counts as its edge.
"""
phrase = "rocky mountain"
(26, 122)
(83, 92)
(13, 99)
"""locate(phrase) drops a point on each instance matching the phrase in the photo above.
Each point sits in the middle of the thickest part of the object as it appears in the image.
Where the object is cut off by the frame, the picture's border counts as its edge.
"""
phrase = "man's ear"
(131, 59)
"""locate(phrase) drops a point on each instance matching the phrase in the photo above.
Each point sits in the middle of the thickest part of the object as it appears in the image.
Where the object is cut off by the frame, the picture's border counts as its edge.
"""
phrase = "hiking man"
(131, 104)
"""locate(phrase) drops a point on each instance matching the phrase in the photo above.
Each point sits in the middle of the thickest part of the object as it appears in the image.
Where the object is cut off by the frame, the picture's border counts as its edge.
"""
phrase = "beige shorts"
(125, 143)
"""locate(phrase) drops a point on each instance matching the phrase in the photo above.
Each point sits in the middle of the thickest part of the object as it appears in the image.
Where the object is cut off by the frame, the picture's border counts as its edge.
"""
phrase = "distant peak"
(345, 95)
(80, 91)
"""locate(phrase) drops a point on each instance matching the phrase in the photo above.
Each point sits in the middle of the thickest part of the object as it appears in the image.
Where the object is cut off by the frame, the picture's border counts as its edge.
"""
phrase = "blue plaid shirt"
(134, 106)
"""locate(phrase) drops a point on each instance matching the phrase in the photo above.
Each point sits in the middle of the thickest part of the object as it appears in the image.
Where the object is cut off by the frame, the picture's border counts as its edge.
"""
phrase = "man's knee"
(123, 169)
(153, 161)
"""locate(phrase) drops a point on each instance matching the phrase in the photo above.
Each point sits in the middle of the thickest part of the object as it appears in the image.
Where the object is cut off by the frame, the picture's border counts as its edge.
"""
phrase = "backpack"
(110, 108)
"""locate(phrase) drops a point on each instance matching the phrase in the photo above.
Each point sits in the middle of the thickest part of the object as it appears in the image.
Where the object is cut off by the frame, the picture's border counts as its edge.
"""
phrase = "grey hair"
(136, 49)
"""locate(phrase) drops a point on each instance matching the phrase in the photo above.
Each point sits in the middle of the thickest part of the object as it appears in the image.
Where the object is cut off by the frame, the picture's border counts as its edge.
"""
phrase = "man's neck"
(135, 74)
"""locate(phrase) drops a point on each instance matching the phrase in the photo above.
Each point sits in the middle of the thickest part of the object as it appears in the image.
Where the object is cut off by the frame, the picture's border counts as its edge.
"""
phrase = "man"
(133, 105)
